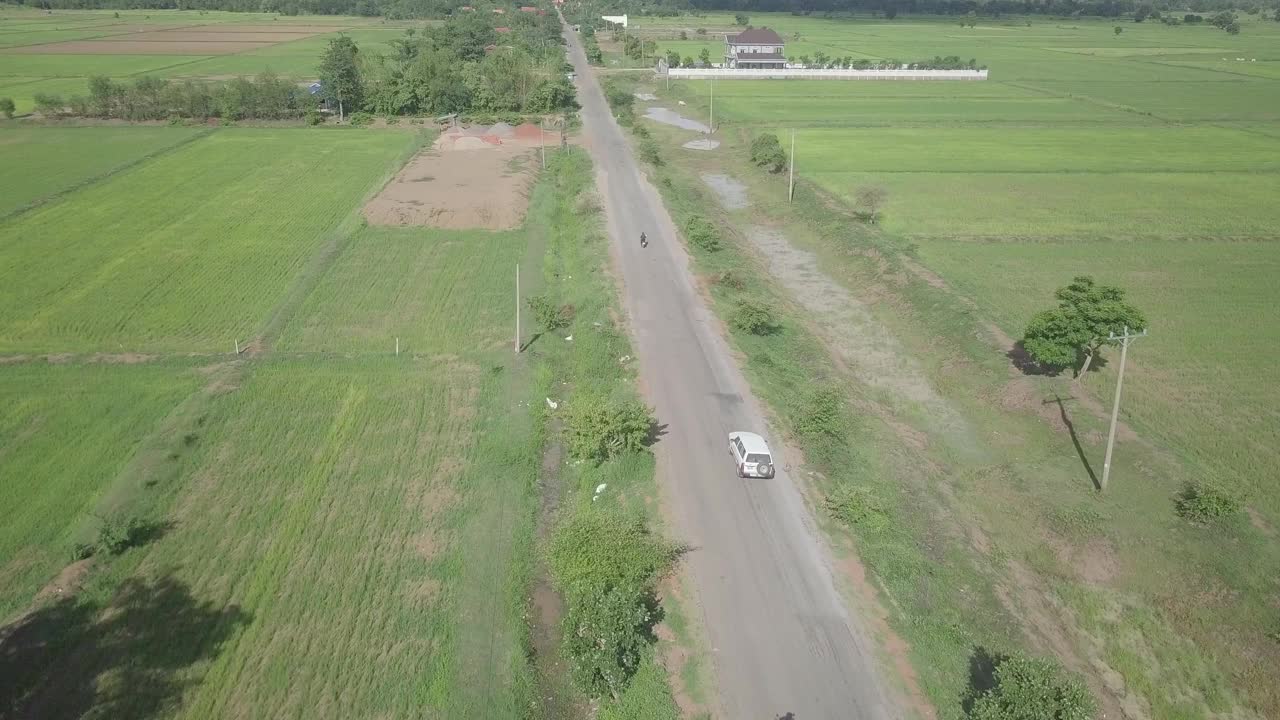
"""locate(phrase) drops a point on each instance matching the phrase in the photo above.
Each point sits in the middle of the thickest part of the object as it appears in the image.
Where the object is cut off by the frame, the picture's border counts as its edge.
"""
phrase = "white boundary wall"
(615, 19)
(816, 74)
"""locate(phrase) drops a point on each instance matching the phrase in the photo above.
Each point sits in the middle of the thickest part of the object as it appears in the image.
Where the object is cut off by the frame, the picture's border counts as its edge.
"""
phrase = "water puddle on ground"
(670, 117)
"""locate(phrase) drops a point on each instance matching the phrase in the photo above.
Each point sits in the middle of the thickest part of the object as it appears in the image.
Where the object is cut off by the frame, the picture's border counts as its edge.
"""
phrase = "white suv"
(751, 455)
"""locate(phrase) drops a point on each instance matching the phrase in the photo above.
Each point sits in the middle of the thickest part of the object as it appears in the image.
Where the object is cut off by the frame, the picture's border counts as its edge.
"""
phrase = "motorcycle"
(644, 241)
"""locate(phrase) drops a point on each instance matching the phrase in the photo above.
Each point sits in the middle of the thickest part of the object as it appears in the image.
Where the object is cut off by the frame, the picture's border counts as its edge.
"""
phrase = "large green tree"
(340, 80)
(1072, 333)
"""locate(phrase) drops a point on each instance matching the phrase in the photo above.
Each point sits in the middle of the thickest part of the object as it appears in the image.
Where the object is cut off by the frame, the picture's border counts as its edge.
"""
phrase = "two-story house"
(754, 48)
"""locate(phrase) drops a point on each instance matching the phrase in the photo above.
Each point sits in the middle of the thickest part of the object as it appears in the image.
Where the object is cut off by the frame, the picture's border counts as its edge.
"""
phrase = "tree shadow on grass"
(983, 664)
(1027, 365)
(1075, 440)
(121, 659)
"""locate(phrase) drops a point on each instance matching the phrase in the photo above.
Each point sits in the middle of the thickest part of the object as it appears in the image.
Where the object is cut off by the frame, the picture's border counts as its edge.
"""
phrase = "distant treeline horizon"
(405, 9)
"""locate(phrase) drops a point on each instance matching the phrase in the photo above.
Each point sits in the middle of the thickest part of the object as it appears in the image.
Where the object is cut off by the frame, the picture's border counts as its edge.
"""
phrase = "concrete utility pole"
(712, 126)
(517, 308)
(1124, 341)
(542, 141)
(791, 176)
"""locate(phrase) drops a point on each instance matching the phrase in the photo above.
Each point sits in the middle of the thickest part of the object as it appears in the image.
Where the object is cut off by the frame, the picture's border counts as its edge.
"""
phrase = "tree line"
(266, 97)
(464, 66)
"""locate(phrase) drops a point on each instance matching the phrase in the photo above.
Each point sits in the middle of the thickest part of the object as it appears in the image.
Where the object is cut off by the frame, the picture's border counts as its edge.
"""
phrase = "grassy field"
(331, 529)
(1144, 159)
(211, 275)
(65, 434)
(71, 157)
(25, 72)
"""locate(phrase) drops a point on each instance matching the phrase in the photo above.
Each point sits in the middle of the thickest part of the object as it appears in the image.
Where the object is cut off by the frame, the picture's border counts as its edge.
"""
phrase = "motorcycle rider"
(644, 241)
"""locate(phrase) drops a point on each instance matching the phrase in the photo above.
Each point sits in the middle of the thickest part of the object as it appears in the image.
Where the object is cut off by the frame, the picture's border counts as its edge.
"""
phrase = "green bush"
(599, 428)
(767, 153)
(649, 151)
(607, 565)
(606, 630)
(549, 315)
(753, 317)
(360, 119)
(1032, 689)
(7, 107)
(314, 117)
(647, 697)
(1207, 502)
(48, 105)
(702, 234)
(730, 279)
(855, 505)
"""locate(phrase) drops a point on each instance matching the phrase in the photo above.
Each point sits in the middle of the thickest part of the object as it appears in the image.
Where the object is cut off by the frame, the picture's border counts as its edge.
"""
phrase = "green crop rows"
(223, 224)
(330, 529)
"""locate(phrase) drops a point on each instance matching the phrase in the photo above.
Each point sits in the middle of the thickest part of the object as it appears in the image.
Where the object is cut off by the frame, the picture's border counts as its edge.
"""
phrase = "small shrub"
(855, 505)
(586, 204)
(641, 131)
(701, 31)
(314, 117)
(753, 317)
(649, 152)
(1207, 502)
(415, 121)
(1077, 521)
(702, 234)
(7, 107)
(821, 414)
(767, 153)
(1031, 689)
(48, 105)
(599, 428)
(360, 119)
(117, 534)
(549, 315)
(730, 279)
(393, 120)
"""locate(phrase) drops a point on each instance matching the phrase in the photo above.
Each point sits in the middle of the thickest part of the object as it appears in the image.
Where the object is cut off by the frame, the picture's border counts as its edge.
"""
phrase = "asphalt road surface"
(782, 641)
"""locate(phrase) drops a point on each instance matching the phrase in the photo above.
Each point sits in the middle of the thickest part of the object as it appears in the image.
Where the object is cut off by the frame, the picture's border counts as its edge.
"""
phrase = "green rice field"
(1149, 160)
(200, 216)
(29, 64)
(330, 529)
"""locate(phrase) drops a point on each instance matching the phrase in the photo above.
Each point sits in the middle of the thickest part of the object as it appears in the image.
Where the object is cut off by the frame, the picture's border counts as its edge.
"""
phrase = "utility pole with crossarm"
(1124, 339)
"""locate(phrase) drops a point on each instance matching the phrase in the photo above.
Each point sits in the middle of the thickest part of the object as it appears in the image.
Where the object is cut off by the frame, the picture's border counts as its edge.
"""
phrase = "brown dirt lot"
(466, 181)
(127, 47)
(269, 28)
(201, 36)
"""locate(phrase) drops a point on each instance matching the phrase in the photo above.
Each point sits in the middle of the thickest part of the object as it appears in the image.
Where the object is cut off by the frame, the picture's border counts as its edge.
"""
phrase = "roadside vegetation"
(965, 482)
(234, 503)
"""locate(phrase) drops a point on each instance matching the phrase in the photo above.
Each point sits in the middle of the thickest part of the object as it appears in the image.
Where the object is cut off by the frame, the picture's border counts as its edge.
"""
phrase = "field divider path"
(782, 639)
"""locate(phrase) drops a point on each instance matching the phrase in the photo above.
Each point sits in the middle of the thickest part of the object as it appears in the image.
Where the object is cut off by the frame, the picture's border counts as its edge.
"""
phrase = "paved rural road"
(782, 640)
